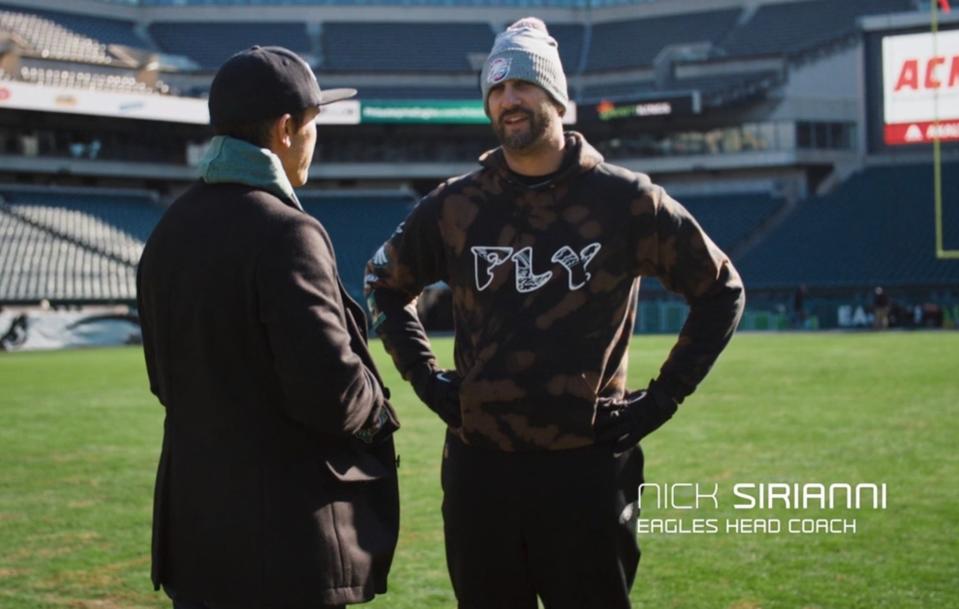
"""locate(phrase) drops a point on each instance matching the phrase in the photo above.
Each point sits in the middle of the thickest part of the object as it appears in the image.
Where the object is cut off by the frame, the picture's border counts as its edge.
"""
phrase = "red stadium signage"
(922, 133)
(921, 87)
(909, 74)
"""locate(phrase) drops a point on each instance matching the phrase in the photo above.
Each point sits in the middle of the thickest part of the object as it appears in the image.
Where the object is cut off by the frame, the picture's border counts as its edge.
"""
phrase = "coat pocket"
(356, 466)
(364, 516)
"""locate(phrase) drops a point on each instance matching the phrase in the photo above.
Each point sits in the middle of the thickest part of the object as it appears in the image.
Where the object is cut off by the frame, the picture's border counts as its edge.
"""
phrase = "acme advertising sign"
(921, 87)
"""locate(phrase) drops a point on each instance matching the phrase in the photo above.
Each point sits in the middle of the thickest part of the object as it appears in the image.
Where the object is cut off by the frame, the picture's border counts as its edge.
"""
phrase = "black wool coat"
(265, 496)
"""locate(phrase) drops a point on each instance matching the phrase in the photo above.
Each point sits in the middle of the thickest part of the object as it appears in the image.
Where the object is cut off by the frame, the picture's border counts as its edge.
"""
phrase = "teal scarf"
(231, 160)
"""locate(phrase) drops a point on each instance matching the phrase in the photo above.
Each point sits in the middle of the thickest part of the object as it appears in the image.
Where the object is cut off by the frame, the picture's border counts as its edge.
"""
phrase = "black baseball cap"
(266, 82)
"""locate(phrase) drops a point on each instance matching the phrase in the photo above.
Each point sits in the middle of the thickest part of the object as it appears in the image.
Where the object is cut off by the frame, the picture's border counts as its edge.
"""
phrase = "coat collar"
(233, 160)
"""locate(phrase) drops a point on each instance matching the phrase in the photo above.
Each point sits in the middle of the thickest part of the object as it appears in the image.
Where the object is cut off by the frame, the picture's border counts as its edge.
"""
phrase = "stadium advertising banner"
(465, 112)
(682, 105)
(30, 96)
(921, 87)
(437, 112)
(346, 112)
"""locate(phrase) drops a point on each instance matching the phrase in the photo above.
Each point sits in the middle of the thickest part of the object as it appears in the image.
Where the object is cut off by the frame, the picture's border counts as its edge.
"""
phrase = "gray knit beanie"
(525, 51)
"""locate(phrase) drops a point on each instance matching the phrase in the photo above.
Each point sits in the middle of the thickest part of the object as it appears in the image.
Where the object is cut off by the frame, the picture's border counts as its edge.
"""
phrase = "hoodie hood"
(579, 157)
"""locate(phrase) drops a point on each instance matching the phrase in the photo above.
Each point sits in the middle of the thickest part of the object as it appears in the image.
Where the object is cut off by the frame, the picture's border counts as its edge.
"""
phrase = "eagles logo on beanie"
(525, 51)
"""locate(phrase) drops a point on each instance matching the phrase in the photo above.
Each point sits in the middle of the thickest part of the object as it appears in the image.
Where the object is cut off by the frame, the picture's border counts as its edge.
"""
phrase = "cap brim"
(329, 96)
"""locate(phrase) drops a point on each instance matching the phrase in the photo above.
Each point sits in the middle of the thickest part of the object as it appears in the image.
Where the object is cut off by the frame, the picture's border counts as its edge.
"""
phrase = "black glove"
(440, 390)
(625, 421)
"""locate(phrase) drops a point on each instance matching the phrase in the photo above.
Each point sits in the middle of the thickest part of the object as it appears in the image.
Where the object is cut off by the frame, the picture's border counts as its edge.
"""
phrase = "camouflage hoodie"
(544, 281)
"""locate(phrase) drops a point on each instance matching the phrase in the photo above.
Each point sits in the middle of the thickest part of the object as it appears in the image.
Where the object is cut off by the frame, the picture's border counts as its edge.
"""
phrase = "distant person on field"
(799, 306)
(880, 309)
(277, 485)
(543, 247)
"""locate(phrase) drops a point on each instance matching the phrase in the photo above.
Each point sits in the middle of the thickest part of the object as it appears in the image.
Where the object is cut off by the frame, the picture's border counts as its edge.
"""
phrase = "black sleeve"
(674, 248)
(412, 258)
(326, 384)
(146, 333)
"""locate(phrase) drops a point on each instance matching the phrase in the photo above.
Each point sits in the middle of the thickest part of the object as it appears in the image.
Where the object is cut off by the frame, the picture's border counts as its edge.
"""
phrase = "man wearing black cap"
(543, 247)
(276, 485)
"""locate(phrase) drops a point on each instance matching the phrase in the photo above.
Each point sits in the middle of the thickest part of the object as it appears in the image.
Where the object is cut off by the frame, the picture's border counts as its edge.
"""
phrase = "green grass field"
(80, 434)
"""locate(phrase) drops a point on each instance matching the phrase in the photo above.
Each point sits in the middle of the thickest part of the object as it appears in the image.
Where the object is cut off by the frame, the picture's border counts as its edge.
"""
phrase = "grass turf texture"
(79, 439)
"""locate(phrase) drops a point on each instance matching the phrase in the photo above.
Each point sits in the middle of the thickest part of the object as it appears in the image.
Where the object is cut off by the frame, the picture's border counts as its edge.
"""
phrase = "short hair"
(258, 132)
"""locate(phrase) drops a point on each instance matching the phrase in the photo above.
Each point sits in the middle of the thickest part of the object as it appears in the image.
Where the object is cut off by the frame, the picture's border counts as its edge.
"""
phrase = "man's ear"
(282, 131)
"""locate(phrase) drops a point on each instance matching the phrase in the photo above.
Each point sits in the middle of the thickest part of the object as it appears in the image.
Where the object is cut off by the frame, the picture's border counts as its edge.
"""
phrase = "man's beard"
(522, 139)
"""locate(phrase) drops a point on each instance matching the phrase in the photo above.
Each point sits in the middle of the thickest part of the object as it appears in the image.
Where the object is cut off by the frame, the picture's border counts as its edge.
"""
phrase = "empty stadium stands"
(720, 90)
(571, 38)
(785, 29)
(402, 47)
(713, 88)
(876, 229)
(438, 47)
(358, 225)
(115, 225)
(632, 89)
(84, 246)
(72, 246)
(51, 40)
(102, 29)
(487, 3)
(728, 220)
(36, 264)
(635, 43)
(210, 44)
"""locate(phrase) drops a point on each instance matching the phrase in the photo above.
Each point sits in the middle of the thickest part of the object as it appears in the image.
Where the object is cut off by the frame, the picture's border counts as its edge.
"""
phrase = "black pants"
(182, 603)
(550, 524)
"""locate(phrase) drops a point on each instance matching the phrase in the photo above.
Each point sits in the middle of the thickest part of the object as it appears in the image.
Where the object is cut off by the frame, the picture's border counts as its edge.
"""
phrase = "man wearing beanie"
(276, 485)
(543, 247)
